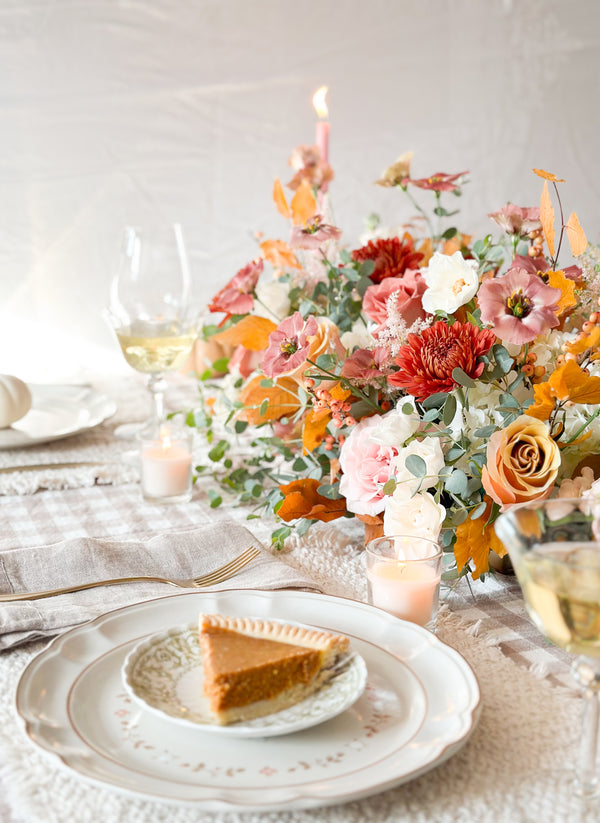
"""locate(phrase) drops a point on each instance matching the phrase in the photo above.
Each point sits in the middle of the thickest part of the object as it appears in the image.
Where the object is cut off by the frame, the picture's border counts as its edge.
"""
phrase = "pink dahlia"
(288, 345)
(237, 296)
(427, 360)
(518, 305)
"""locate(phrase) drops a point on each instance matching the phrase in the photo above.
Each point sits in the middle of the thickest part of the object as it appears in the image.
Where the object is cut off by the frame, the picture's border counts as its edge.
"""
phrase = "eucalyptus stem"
(423, 213)
(347, 384)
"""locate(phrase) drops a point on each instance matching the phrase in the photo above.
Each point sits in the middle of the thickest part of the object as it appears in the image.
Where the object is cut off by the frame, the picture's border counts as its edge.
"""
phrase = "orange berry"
(528, 369)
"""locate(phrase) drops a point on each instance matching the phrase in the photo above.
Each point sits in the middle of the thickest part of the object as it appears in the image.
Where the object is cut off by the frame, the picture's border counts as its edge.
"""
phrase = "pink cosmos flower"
(308, 165)
(366, 364)
(440, 181)
(408, 290)
(237, 296)
(517, 219)
(313, 234)
(288, 345)
(518, 305)
(366, 465)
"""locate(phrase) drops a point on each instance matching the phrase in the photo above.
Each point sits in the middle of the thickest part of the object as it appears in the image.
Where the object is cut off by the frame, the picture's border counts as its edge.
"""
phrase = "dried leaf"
(568, 299)
(279, 254)
(315, 428)
(547, 175)
(474, 541)
(252, 332)
(304, 205)
(576, 235)
(426, 249)
(282, 399)
(279, 198)
(583, 342)
(547, 218)
(576, 385)
(544, 402)
(302, 500)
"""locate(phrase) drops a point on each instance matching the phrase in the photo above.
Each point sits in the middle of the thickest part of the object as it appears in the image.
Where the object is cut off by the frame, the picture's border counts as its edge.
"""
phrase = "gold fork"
(211, 579)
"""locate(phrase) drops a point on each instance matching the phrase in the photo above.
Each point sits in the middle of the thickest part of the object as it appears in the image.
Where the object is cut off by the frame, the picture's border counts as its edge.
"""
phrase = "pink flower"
(366, 465)
(440, 181)
(366, 364)
(308, 165)
(245, 360)
(236, 297)
(313, 234)
(530, 264)
(517, 219)
(518, 306)
(288, 345)
(408, 290)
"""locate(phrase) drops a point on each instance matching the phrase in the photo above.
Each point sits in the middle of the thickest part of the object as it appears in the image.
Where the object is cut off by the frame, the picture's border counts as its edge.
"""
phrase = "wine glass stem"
(587, 672)
(157, 386)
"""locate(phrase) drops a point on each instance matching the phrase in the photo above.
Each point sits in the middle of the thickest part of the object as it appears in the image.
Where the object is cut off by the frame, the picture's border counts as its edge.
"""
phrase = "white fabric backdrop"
(112, 111)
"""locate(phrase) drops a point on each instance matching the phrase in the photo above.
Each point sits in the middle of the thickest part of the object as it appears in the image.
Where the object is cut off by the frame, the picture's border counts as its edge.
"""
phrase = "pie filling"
(254, 667)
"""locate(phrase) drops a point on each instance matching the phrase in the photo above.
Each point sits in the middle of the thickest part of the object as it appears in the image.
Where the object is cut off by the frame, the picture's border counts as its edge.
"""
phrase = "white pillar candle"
(407, 590)
(166, 468)
(322, 127)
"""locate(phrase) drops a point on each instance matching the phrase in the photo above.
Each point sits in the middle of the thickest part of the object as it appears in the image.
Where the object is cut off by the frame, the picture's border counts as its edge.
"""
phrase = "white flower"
(272, 300)
(429, 450)
(395, 427)
(359, 337)
(451, 282)
(419, 515)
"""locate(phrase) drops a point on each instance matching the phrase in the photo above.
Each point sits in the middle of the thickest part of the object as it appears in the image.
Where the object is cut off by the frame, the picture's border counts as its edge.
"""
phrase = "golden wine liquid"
(562, 589)
(152, 355)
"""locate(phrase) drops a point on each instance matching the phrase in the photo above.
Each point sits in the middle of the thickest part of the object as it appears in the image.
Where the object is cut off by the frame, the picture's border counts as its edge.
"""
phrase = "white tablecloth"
(511, 769)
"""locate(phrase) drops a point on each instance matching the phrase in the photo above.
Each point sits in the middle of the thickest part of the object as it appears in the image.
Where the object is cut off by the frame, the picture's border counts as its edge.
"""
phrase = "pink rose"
(366, 465)
(407, 289)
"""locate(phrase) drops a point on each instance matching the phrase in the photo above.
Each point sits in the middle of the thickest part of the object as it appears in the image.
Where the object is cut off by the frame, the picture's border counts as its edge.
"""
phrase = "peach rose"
(522, 463)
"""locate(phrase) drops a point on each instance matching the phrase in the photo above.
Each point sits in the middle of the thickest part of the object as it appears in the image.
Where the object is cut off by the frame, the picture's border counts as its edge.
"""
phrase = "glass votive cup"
(166, 466)
(403, 577)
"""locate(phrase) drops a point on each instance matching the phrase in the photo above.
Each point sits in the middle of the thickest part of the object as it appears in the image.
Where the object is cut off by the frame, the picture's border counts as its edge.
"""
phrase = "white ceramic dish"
(57, 412)
(164, 674)
(420, 704)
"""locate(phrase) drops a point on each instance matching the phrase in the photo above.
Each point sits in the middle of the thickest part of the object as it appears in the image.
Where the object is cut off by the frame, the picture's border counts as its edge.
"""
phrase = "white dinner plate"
(57, 412)
(420, 704)
(164, 674)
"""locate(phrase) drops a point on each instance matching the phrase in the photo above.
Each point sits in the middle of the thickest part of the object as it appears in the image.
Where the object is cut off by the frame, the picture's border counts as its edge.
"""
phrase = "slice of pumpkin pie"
(256, 667)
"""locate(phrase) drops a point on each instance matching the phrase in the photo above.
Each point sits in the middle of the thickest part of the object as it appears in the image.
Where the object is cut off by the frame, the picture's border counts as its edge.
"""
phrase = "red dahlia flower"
(392, 256)
(426, 361)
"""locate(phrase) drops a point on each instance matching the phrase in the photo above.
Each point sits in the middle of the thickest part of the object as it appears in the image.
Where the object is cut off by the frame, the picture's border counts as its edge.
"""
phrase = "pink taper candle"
(322, 128)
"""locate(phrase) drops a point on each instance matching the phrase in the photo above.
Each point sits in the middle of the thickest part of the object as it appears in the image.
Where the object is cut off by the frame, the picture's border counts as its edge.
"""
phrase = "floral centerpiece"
(416, 379)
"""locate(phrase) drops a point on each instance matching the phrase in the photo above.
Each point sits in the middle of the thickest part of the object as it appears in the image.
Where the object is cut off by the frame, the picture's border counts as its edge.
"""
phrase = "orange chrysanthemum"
(427, 360)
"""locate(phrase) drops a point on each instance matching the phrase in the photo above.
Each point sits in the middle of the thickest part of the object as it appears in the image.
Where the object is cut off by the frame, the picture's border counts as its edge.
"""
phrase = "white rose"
(272, 300)
(419, 515)
(429, 450)
(395, 427)
(451, 282)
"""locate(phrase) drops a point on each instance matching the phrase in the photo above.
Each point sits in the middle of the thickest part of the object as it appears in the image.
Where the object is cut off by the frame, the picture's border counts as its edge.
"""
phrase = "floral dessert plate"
(419, 706)
(57, 412)
(164, 673)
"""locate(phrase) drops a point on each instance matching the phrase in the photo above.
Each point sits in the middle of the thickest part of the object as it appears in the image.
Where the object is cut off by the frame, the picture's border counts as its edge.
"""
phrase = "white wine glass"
(151, 311)
(554, 548)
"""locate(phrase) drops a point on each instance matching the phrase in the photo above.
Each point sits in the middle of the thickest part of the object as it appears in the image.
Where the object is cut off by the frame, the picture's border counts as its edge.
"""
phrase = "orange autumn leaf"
(315, 427)
(252, 332)
(568, 300)
(279, 254)
(583, 342)
(456, 243)
(547, 175)
(547, 218)
(426, 249)
(302, 500)
(544, 402)
(304, 205)
(576, 235)
(281, 400)
(279, 198)
(579, 386)
(474, 541)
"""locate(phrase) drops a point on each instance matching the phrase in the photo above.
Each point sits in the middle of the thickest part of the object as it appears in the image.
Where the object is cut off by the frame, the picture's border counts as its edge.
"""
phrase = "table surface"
(511, 765)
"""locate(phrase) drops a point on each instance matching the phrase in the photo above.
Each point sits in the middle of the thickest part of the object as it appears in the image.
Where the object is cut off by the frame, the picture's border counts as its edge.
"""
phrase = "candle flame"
(165, 438)
(319, 102)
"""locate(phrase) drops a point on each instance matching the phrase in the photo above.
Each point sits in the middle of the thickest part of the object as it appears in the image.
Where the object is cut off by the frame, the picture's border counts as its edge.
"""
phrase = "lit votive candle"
(322, 126)
(166, 464)
(403, 577)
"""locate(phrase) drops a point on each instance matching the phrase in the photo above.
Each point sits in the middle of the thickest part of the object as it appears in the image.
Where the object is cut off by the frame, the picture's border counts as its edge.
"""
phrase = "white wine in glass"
(151, 311)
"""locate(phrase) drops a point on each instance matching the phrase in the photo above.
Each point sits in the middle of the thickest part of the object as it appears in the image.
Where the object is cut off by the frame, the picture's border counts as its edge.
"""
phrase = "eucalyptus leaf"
(389, 487)
(416, 465)
(462, 378)
(457, 483)
(502, 358)
(478, 511)
(450, 407)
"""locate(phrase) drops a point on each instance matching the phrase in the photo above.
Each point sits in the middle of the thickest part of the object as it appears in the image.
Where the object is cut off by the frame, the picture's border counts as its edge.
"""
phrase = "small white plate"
(164, 674)
(57, 412)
